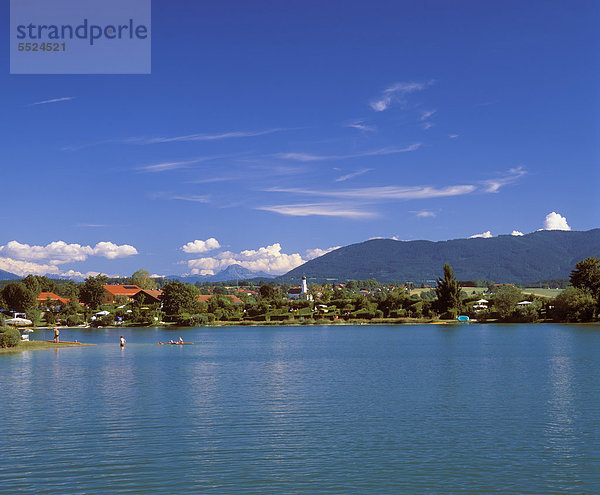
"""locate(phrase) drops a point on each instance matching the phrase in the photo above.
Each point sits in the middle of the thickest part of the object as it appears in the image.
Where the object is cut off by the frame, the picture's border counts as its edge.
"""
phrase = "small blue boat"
(463, 318)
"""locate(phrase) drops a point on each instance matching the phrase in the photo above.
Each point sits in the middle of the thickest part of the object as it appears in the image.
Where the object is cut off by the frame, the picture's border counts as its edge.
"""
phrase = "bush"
(9, 337)
(527, 314)
(74, 320)
(574, 305)
(187, 320)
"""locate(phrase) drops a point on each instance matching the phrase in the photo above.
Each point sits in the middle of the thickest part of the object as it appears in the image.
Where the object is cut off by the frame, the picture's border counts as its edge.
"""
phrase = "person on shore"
(180, 340)
(123, 341)
(56, 335)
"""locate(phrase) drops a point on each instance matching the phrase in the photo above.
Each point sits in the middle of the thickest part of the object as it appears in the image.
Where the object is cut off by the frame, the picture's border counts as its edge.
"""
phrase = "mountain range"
(541, 255)
(231, 273)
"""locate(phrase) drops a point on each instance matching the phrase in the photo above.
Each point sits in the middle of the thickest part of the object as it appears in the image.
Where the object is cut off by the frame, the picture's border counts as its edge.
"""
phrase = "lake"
(297, 410)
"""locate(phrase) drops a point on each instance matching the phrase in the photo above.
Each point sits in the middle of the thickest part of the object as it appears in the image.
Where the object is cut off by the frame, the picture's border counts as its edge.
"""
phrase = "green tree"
(92, 291)
(32, 283)
(178, 298)
(448, 293)
(574, 304)
(505, 300)
(19, 298)
(143, 280)
(586, 276)
(268, 292)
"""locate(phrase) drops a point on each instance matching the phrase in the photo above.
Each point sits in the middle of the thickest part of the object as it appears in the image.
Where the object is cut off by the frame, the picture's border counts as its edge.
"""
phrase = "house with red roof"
(45, 297)
(112, 291)
(148, 296)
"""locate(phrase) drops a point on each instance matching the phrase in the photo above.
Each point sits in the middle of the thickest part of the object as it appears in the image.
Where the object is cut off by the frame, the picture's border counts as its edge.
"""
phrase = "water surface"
(352, 409)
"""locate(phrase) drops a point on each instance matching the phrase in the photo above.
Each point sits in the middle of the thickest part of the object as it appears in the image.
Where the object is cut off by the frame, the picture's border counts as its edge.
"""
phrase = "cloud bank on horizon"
(268, 259)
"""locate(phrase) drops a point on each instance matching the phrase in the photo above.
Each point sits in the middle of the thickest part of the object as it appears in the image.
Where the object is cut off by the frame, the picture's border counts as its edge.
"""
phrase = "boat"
(463, 318)
(175, 343)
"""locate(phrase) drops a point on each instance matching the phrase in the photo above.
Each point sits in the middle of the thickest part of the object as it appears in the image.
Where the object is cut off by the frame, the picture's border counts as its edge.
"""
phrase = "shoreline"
(322, 322)
(36, 345)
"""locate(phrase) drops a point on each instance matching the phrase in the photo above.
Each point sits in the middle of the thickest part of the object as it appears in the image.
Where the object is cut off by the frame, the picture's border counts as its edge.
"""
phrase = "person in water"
(123, 341)
(180, 341)
(56, 335)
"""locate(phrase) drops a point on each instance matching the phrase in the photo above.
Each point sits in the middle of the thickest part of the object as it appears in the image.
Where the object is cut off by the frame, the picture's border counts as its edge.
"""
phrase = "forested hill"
(541, 255)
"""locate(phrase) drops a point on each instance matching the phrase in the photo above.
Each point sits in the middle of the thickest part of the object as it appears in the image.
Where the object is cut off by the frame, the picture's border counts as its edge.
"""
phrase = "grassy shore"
(35, 345)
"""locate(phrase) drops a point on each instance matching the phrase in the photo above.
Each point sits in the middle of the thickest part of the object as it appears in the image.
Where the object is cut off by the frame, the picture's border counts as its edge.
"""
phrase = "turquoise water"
(367, 409)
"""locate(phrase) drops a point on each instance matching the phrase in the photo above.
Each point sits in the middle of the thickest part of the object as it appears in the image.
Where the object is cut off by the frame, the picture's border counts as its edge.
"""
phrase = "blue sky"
(279, 129)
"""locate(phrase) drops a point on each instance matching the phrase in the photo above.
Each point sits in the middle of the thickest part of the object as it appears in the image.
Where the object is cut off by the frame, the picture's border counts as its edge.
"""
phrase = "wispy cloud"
(426, 114)
(453, 136)
(309, 157)
(424, 213)
(353, 174)
(379, 193)
(190, 197)
(54, 100)
(361, 126)
(180, 197)
(494, 185)
(396, 94)
(166, 166)
(170, 139)
(320, 209)
(208, 137)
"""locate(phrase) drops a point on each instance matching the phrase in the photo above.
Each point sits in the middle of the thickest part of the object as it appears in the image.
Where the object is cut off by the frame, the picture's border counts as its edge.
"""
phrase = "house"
(111, 292)
(148, 296)
(43, 298)
(234, 299)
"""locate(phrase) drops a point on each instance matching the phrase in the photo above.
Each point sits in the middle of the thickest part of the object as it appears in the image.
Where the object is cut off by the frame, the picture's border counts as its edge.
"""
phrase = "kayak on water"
(175, 343)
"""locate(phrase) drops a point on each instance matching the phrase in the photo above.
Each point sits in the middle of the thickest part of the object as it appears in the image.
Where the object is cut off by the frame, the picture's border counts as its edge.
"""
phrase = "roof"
(152, 292)
(53, 297)
(122, 290)
(234, 299)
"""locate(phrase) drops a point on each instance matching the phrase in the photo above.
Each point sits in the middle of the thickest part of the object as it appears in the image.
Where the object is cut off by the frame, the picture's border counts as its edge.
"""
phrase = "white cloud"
(54, 100)
(309, 157)
(316, 252)
(111, 250)
(76, 274)
(453, 136)
(555, 221)
(384, 192)
(396, 94)
(268, 259)
(209, 137)
(516, 233)
(485, 235)
(320, 209)
(59, 252)
(199, 246)
(425, 114)
(494, 185)
(353, 174)
(361, 126)
(424, 213)
(23, 268)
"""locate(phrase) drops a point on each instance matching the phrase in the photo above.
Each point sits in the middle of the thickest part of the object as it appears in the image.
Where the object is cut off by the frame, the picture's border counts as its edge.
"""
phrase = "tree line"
(367, 300)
